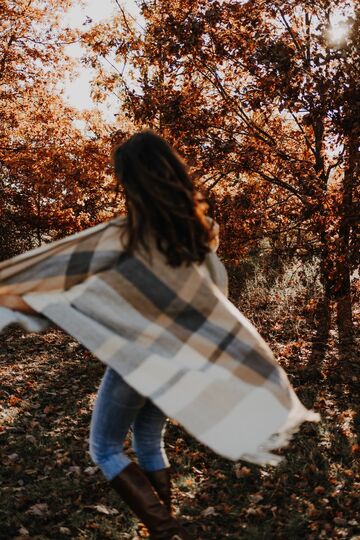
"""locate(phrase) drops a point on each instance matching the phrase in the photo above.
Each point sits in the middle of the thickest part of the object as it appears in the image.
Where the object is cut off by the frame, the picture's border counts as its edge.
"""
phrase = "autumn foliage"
(50, 173)
(261, 103)
(265, 108)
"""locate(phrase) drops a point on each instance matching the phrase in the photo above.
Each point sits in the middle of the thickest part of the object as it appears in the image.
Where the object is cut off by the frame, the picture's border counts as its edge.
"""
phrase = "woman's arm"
(12, 301)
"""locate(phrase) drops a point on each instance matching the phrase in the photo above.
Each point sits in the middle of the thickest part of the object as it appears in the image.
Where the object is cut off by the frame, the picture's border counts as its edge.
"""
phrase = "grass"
(51, 490)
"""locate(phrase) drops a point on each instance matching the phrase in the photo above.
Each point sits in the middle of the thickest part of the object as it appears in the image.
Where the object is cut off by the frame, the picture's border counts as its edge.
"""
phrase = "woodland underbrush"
(285, 301)
(50, 489)
(276, 295)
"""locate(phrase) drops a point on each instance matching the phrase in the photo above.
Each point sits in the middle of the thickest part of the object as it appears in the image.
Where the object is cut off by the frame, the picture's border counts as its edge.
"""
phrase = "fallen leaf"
(14, 400)
(64, 530)
(39, 509)
(74, 469)
(49, 409)
(255, 512)
(339, 521)
(210, 511)
(90, 470)
(93, 525)
(311, 510)
(242, 472)
(102, 509)
(255, 498)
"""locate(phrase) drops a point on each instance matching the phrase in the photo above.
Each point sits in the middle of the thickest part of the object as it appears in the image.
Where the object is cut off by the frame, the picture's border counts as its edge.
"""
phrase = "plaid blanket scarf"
(171, 333)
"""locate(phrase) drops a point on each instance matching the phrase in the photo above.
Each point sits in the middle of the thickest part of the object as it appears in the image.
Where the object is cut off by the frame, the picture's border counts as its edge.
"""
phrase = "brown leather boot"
(136, 490)
(161, 481)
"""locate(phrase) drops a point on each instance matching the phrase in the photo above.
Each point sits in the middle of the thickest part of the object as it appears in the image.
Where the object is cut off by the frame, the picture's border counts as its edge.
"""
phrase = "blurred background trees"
(51, 174)
(261, 98)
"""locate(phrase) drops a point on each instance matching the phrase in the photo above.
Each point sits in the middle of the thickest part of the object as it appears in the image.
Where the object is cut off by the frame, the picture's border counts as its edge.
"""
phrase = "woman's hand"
(11, 301)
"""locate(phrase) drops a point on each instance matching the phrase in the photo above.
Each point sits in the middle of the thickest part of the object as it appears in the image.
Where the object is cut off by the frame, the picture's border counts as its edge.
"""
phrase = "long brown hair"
(161, 199)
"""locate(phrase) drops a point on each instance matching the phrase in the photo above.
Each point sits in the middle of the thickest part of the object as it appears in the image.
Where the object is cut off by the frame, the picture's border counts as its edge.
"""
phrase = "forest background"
(262, 99)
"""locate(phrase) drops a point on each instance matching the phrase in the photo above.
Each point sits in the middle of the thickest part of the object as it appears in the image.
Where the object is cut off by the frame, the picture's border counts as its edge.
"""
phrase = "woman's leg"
(148, 442)
(148, 438)
(116, 408)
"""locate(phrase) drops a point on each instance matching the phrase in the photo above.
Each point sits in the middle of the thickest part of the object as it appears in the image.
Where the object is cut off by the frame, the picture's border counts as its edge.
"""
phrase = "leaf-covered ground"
(51, 490)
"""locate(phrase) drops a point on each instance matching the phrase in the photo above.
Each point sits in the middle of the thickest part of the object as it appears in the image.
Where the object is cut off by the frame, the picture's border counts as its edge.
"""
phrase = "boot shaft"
(137, 491)
(161, 481)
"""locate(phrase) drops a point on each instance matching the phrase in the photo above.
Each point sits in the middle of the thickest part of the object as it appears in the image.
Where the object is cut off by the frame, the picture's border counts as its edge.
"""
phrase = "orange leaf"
(14, 400)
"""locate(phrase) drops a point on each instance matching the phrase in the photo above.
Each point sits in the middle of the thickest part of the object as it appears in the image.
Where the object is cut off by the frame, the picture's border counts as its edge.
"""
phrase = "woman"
(162, 208)
(140, 294)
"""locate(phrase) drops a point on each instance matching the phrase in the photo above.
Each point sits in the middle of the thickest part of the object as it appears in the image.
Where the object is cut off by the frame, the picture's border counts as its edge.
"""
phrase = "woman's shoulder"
(119, 221)
(214, 233)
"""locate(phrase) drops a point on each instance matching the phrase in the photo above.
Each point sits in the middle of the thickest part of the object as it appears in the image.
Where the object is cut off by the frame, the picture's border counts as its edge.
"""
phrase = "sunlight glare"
(90, 12)
(339, 29)
(338, 32)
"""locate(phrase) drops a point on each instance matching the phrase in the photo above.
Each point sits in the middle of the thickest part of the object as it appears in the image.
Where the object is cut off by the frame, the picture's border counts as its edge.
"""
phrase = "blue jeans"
(117, 408)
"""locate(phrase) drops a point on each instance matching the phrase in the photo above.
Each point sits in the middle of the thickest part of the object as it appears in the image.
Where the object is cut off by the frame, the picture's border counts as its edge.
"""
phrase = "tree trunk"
(346, 211)
(38, 217)
(335, 277)
(345, 320)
